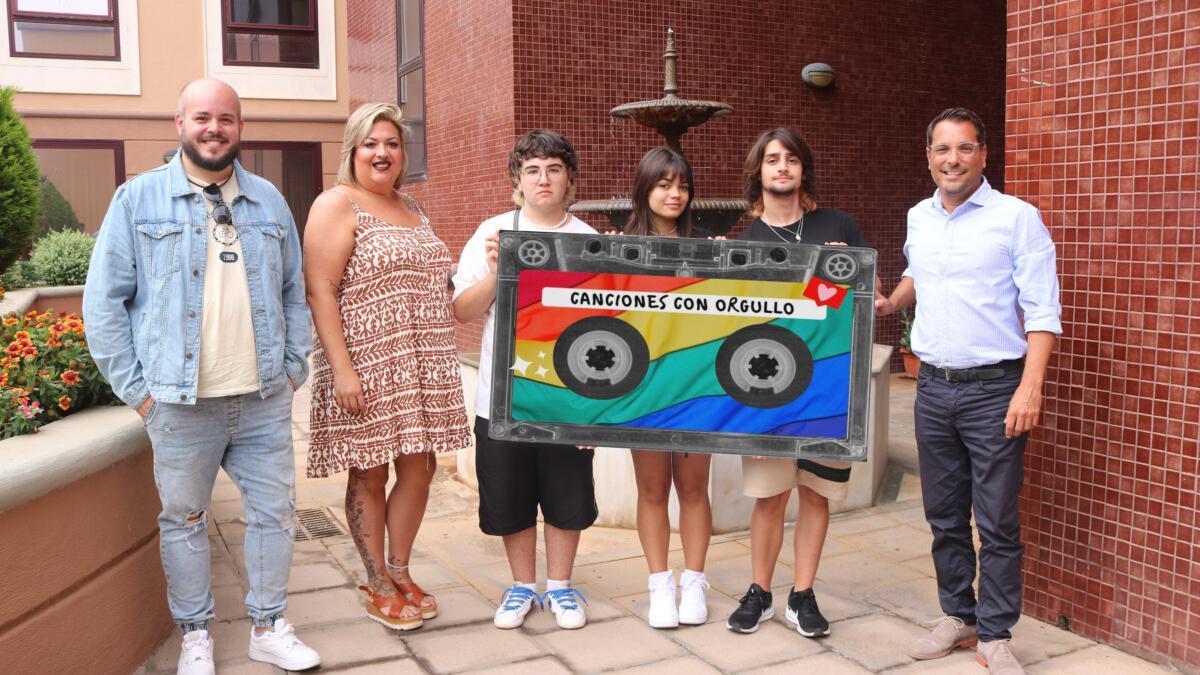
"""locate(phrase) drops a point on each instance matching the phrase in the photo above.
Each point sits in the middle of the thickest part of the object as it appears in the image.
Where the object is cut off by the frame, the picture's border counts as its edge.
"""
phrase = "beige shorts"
(770, 476)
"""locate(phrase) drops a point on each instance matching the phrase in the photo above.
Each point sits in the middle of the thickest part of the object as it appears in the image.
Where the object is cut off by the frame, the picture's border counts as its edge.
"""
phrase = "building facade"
(99, 83)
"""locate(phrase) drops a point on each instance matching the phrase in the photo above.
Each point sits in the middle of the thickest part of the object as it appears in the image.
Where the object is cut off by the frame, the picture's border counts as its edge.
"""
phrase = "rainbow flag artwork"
(674, 353)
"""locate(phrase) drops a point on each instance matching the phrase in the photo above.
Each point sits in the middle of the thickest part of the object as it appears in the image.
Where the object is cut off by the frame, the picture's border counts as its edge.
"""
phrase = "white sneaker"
(282, 648)
(196, 654)
(693, 606)
(663, 613)
(567, 611)
(514, 605)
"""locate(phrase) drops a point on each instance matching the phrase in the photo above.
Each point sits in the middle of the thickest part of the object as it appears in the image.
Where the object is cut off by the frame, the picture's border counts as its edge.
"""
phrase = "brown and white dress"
(396, 318)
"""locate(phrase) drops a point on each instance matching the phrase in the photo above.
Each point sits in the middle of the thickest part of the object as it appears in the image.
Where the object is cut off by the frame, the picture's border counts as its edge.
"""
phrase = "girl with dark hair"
(662, 197)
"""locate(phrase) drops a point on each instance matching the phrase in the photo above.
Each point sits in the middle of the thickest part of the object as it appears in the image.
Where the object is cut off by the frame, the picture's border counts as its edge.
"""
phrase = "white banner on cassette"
(684, 303)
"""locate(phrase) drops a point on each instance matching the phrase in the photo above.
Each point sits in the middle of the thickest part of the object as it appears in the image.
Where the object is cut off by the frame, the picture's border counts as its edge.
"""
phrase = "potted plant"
(912, 364)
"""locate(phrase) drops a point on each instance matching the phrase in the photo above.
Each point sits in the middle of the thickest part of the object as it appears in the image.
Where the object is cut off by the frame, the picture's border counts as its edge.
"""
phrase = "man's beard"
(214, 164)
(783, 192)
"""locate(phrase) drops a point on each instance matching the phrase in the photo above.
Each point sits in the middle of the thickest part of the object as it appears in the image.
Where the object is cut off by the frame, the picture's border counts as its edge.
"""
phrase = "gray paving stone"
(305, 609)
(315, 576)
(835, 605)
(230, 602)
(609, 645)
(491, 580)
(546, 665)
(355, 642)
(458, 607)
(875, 642)
(471, 647)
(1096, 660)
(732, 576)
(457, 540)
(896, 543)
(857, 573)
(856, 522)
(1035, 641)
(821, 664)
(957, 662)
(915, 600)
(397, 667)
(684, 664)
(732, 651)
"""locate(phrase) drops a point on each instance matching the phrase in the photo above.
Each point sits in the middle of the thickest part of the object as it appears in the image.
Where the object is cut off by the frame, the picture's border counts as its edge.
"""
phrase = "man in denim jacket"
(196, 314)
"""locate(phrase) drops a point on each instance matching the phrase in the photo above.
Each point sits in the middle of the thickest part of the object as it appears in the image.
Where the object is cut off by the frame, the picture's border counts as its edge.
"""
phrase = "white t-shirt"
(228, 364)
(473, 268)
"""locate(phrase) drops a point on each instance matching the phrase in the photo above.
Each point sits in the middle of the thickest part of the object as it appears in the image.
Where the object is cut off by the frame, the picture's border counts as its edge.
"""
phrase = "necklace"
(799, 230)
(566, 219)
(669, 232)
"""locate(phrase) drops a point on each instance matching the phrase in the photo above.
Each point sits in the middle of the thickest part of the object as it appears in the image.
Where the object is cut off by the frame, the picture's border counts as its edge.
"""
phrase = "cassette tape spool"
(683, 344)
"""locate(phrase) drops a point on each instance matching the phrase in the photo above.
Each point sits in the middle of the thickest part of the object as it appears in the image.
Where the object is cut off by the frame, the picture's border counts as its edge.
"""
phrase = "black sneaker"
(803, 611)
(755, 606)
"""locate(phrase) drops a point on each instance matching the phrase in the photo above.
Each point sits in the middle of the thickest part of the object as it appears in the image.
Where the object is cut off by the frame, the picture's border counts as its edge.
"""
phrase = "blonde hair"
(358, 127)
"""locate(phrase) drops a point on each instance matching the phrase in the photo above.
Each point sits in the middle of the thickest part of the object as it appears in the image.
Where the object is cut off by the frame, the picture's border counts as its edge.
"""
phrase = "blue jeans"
(251, 438)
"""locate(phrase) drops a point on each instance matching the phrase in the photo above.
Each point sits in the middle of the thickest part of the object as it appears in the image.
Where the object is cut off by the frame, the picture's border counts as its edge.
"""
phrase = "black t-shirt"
(819, 227)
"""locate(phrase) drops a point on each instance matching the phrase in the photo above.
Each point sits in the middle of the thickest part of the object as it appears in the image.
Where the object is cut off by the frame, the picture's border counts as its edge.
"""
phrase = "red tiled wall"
(1103, 135)
(896, 69)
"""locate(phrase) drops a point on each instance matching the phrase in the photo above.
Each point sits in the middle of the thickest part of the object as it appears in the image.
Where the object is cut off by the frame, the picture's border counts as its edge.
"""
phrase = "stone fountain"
(671, 116)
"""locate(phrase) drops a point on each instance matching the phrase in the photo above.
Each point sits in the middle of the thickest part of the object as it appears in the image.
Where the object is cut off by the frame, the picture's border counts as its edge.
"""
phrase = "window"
(274, 49)
(78, 180)
(271, 33)
(293, 168)
(410, 72)
(64, 29)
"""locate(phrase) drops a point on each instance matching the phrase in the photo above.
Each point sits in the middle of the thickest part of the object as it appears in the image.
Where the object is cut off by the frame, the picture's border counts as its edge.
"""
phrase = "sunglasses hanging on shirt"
(224, 232)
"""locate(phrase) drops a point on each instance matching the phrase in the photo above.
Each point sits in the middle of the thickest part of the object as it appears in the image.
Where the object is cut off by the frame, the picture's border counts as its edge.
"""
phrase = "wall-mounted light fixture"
(817, 75)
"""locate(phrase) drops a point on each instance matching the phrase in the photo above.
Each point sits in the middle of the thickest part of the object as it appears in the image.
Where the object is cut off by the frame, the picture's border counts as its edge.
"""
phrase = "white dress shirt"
(984, 277)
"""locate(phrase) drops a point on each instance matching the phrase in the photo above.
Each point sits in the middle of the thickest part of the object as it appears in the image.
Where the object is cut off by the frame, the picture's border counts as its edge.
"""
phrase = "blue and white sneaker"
(567, 611)
(514, 605)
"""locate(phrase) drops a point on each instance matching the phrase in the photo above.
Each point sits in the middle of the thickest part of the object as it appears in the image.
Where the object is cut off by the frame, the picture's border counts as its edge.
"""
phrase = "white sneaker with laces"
(514, 605)
(567, 612)
(693, 605)
(663, 613)
(196, 654)
(282, 648)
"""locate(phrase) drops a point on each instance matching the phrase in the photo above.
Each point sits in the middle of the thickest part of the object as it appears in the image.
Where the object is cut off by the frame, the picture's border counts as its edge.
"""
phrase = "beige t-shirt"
(228, 364)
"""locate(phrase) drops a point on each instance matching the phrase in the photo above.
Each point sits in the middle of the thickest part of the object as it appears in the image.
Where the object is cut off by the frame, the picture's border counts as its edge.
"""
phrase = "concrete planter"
(84, 589)
(616, 490)
(47, 298)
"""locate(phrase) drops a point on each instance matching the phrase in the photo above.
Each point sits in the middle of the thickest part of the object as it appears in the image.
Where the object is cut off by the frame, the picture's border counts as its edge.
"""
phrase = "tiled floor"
(874, 584)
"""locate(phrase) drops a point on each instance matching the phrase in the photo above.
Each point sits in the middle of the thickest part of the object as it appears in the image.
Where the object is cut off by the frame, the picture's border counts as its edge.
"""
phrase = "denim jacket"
(145, 286)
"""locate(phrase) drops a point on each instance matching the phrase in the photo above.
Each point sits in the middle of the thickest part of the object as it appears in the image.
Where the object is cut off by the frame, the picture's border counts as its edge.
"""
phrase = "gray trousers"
(966, 462)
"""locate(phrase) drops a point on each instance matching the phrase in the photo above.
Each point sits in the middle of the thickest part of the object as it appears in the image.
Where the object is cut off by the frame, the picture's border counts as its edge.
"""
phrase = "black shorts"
(515, 478)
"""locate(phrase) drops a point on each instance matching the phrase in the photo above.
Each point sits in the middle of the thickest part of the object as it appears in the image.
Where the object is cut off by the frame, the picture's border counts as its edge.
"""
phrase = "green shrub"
(19, 190)
(61, 258)
(56, 213)
(18, 275)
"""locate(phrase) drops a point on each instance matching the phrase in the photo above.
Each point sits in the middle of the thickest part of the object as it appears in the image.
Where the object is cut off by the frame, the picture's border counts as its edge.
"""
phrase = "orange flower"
(11, 321)
(10, 362)
(43, 373)
(29, 353)
(3, 379)
(70, 377)
(64, 402)
(53, 342)
(14, 348)
(21, 335)
(58, 328)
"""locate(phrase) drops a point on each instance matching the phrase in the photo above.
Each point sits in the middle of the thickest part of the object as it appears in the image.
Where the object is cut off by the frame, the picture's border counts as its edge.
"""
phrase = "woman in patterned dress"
(386, 384)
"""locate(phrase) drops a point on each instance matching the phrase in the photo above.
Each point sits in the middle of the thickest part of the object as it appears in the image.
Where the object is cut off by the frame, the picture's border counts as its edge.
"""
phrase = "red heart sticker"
(825, 293)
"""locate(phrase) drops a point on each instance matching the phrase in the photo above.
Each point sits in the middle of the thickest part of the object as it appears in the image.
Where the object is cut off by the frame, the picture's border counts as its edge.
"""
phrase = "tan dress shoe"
(948, 634)
(998, 658)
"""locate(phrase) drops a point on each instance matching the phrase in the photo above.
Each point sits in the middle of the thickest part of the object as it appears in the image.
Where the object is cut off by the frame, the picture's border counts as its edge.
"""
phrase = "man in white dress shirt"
(981, 267)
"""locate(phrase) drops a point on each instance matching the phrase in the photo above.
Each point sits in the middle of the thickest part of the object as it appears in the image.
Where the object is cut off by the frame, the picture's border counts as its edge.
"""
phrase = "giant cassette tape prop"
(683, 344)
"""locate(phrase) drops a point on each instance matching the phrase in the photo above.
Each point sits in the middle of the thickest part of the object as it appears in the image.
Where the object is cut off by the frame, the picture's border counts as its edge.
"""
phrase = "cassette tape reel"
(681, 344)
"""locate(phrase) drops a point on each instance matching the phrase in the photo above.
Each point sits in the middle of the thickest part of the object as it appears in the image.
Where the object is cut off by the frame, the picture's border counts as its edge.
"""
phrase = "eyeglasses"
(963, 149)
(220, 212)
(552, 171)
